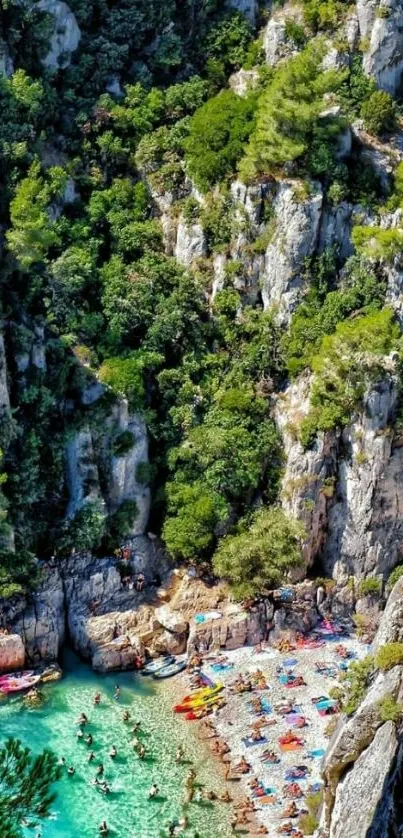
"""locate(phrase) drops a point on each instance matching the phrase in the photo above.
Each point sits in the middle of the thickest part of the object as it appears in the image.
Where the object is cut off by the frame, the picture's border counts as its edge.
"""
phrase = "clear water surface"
(80, 807)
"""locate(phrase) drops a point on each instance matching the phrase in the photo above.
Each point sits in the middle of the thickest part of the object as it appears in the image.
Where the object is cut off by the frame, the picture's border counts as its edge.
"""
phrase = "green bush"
(357, 680)
(344, 367)
(390, 710)
(389, 655)
(85, 531)
(308, 822)
(120, 524)
(396, 574)
(379, 113)
(260, 555)
(370, 587)
(288, 123)
(123, 443)
(145, 472)
(218, 132)
(125, 378)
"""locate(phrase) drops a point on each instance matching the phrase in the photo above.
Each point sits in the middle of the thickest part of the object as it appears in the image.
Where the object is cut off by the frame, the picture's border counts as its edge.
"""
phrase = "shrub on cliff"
(379, 113)
(389, 655)
(260, 556)
(218, 132)
(290, 121)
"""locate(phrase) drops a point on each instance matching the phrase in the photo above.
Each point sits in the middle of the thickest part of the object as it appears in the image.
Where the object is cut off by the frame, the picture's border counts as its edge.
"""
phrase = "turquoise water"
(79, 807)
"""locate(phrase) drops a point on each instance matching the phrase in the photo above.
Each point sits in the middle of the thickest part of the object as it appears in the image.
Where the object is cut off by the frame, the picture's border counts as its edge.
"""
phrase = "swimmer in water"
(62, 762)
(103, 828)
(97, 698)
(82, 719)
(117, 692)
(71, 770)
(91, 756)
(125, 715)
(137, 728)
(89, 740)
(100, 770)
(80, 734)
(141, 752)
(154, 790)
(113, 752)
(179, 755)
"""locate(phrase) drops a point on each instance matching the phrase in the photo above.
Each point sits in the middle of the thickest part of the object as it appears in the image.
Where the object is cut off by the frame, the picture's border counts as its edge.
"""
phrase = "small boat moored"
(170, 670)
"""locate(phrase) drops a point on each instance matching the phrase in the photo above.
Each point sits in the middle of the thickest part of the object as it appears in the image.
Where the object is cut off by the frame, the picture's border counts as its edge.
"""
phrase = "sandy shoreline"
(233, 722)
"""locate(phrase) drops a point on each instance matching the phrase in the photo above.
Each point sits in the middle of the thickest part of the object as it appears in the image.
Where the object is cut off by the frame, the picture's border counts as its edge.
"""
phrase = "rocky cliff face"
(364, 759)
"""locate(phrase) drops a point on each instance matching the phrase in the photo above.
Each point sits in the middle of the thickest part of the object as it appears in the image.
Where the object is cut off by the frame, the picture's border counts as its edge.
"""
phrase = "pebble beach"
(234, 725)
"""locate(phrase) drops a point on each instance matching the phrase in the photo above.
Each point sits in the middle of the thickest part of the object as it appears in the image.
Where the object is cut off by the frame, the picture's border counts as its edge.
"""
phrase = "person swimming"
(137, 728)
(105, 788)
(113, 752)
(71, 770)
(79, 734)
(97, 698)
(141, 751)
(153, 791)
(82, 719)
(91, 756)
(100, 770)
(62, 762)
(103, 828)
(89, 740)
(179, 754)
(117, 692)
(125, 715)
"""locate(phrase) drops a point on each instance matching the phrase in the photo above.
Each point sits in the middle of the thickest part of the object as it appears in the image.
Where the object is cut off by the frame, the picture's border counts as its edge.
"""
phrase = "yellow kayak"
(198, 699)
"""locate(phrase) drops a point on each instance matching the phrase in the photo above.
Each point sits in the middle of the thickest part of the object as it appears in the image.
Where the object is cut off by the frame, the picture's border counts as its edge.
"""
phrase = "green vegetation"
(347, 362)
(260, 555)
(357, 680)
(396, 574)
(290, 124)
(390, 710)
(218, 132)
(309, 821)
(25, 787)
(389, 655)
(370, 587)
(88, 156)
(379, 113)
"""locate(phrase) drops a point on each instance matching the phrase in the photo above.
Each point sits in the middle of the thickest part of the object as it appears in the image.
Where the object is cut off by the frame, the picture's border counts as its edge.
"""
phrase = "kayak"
(206, 692)
(155, 666)
(191, 702)
(17, 684)
(13, 675)
(172, 669)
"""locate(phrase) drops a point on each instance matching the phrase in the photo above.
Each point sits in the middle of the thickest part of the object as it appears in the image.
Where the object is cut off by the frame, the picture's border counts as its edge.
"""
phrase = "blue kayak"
(155, 666)
(171, 669)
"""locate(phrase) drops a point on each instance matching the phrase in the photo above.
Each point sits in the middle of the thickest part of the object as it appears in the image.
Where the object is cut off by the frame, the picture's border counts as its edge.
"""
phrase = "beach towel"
(249, 742)
(290, 662)
(316, 753)
(295, 719)
(299, 772)
(291, 746)
(221, 667)
(267, 800)
(324, 705)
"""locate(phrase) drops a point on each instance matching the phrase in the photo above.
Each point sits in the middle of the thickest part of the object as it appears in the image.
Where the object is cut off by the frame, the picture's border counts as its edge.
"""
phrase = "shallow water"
(79, 807)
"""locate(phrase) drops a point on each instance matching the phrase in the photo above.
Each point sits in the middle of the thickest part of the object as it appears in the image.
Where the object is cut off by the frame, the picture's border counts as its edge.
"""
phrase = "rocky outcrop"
(296, 219)
(310, 475)
(391, 627)
(243, 81)
(346, 488)
(363, 534)
(381, 30)
(364, 759)
(190, 242)
(39, 619)
(124, 483)
(66, 33)
(12, 652)
(367, 781)
(81, 472)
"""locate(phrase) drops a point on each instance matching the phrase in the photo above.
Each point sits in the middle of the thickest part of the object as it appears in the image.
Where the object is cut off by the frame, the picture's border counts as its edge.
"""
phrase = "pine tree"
(25, 787)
